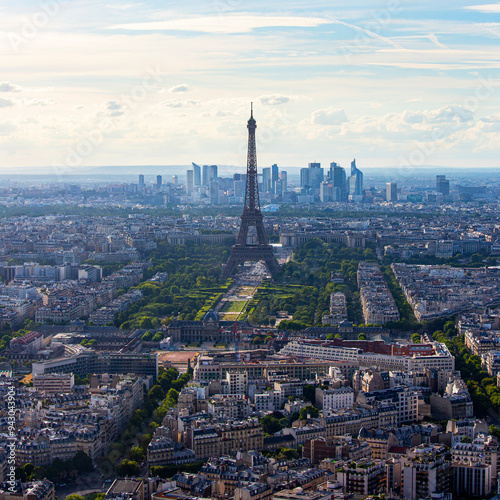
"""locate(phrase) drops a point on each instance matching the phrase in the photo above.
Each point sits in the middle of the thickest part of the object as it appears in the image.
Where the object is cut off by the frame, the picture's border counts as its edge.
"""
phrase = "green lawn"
(234, 306)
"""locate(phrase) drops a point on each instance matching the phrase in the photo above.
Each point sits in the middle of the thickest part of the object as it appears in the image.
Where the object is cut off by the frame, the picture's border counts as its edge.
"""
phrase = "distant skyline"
(391, 83)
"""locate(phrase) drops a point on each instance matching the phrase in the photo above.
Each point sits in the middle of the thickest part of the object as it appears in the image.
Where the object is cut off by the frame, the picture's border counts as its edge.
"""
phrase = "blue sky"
(394, 83)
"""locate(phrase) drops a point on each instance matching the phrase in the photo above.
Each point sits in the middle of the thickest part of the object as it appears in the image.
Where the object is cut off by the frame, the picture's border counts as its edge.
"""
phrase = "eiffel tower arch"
(252, 244)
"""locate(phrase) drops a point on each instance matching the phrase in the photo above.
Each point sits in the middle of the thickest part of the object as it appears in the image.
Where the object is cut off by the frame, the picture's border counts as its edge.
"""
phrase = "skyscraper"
(158, 182)
(197, 174)
(442, 185)
(304, 178)
(355, 185)
(208, 174)
(214, 192)
(324, 192)
(284, 181)
(391, 191)
(316, 175)
(175, 180)
(141, 181)
(213, 172)
(339, 180)
(266, 180)
(274, 176)
(190, 181)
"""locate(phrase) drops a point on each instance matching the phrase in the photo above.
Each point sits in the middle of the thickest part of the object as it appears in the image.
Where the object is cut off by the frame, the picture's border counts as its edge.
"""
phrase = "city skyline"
(388, 83)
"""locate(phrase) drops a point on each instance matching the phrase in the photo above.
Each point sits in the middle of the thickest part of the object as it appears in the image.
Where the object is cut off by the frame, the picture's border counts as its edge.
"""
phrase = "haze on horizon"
(159, 83)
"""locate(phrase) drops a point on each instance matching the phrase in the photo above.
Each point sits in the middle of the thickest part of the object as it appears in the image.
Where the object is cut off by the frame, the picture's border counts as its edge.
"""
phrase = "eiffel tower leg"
(261, 233)
(231, 265)
(273, 266)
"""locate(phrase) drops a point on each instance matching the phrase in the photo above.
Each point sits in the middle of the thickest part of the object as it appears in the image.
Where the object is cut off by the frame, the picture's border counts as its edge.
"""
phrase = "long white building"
(442, 359)
(331, 353)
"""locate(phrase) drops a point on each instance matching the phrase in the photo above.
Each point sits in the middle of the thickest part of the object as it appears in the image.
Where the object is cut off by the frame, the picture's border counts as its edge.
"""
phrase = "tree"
(128, 468)
(329, 336)
(155, 392)
(137, 454)
(82, 462)
(172, 397)
(74, 497)
(158, 337)
(146, 323)
(309, 392)
(476, 258)
(147, 336)
(416, 338)
(308, 410)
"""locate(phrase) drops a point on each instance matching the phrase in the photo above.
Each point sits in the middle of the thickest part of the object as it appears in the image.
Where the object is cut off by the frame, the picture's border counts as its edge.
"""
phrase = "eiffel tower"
(252, 217)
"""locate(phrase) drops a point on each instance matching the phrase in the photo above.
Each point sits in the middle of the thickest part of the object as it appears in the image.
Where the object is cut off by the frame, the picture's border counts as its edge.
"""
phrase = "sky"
(394, 83)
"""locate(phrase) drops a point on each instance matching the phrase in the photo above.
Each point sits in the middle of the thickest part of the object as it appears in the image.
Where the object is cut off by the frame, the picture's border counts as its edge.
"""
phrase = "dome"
(211, 317)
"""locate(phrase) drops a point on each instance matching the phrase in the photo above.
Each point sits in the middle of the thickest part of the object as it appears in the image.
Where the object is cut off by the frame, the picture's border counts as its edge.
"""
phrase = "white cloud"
(489, 8)
(225, 24)
(178, 88)
(177, 103)
(5, 103)
(114, 108)
(6, 128)
(273, 100)
(328, 116)
(37, 102)
(9, 87)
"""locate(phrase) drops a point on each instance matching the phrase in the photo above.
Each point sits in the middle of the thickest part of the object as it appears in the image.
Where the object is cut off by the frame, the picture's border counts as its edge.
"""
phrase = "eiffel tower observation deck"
(252, 244)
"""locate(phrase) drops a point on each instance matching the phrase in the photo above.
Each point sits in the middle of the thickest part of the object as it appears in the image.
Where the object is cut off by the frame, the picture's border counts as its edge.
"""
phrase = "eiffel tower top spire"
(252, 202)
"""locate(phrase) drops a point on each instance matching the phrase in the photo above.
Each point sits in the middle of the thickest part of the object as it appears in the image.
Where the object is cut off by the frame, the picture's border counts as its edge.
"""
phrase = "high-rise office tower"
(204, 176)
(197, 174)
(355, 185)
(391, 191)
(304, 178)
(208, 174)
(284, 181)
(212, 173)
(324, 192)
(266, 180)
(141, 181)
(316, 175)
(339, 180)
(239, 181)
(442, 185)
(214, 192)
(175, 180)
(158, 182)
(274, 176)
(190, 181)
(278, 188)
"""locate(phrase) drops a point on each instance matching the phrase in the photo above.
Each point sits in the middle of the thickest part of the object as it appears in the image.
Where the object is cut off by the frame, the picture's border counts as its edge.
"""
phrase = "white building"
(335, 399)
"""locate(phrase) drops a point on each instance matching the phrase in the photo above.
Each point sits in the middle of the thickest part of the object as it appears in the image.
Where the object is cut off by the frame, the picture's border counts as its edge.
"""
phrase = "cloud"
(328, 116)
(9, 87)
(178, 88)
(5, 103)
(37, 102)
(6, 128)
(225, 24)
(177, 103)
(274, 100)
(489, 8)
(114, 108)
